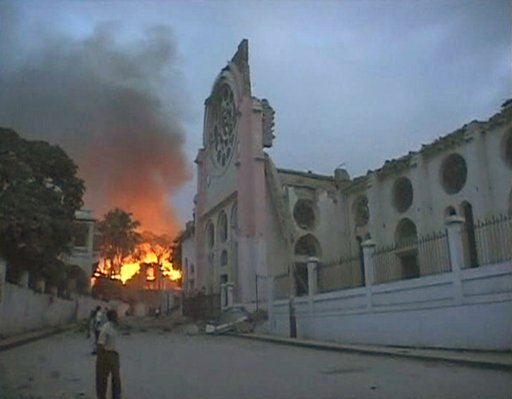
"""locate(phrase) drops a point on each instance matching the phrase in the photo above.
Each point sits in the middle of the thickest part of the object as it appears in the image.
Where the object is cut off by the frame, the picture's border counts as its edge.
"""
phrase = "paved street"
(158, 364)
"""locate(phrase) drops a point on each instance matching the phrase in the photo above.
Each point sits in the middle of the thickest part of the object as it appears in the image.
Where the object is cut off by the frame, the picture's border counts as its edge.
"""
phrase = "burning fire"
(146, 253)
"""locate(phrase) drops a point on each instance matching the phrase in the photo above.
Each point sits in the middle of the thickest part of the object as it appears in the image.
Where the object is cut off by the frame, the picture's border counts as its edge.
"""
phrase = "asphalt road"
(158, 364)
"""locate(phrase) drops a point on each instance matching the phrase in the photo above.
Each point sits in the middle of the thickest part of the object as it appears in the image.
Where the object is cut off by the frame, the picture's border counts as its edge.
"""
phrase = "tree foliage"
(39, 194)
(118, 237)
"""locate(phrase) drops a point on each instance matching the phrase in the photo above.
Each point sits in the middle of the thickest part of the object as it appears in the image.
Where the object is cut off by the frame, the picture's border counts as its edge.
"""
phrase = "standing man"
(107, 360)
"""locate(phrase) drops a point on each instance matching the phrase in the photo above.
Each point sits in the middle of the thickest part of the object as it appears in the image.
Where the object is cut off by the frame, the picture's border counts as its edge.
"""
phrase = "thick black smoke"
(101, 100)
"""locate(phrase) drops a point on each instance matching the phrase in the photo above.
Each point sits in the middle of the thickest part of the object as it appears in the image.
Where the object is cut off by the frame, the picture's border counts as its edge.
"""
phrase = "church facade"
(254, 221)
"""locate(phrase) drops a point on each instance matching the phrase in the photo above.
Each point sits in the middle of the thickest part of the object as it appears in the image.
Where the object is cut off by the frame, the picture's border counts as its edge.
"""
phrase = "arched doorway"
(360, 253)
(406, 238)
(306, 246)
(468, 236)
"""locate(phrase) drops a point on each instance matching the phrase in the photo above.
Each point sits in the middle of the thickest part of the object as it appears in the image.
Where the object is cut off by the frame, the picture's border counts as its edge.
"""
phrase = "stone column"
(369, 269)
(312, 286)
(369, 266)
(229, 293)
(312, 276)
(454, 226)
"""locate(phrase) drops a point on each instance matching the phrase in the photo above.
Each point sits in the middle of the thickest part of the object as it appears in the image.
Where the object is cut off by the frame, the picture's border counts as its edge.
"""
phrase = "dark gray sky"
(353, 82)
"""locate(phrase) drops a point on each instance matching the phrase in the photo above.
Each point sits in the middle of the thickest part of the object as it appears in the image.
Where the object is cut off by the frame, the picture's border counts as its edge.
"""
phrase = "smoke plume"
(101, 100)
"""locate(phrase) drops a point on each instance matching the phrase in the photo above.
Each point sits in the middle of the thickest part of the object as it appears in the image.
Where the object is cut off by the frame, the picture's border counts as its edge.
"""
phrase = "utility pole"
(291, 301)
(256, 283)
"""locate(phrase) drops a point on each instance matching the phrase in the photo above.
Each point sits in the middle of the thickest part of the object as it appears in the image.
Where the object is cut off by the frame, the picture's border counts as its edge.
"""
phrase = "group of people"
(102, 328)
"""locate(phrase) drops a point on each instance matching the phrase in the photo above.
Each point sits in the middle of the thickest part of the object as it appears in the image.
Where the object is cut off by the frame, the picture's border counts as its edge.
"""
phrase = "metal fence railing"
(434, 254)
(412, 258)
(488, 241)
(386, 263)
(340, 274)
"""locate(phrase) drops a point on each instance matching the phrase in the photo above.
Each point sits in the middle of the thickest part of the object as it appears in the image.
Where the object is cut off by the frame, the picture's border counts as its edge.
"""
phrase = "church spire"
(241, 60)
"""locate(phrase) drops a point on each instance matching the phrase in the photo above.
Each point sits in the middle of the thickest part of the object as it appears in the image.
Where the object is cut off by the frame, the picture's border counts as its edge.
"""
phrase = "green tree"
(39, 194)
(118, 238)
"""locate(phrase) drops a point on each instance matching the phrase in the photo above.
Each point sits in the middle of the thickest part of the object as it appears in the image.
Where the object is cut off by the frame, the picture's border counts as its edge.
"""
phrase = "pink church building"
(426, 239)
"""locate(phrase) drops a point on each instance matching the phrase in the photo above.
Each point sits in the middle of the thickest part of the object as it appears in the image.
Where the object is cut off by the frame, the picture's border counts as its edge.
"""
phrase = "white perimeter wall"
(22, 309)
(473, 312)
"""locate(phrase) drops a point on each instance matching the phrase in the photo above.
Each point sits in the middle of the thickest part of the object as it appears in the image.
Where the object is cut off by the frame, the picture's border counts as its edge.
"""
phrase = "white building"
(256, 224)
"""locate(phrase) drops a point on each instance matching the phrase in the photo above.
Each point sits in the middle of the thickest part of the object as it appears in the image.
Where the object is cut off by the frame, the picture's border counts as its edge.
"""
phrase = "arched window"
(405, 233)
(222, 226)
(307, 245)
(224, 258)
(233, 234)
(210, 235)
(233, 220)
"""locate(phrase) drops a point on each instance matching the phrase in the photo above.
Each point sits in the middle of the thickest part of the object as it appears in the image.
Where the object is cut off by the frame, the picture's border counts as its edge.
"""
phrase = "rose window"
(223, 135)
(361, 211)
(454, 173)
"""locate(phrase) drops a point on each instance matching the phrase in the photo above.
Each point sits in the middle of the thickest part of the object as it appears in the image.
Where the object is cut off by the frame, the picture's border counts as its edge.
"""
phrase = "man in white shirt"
(107, 360)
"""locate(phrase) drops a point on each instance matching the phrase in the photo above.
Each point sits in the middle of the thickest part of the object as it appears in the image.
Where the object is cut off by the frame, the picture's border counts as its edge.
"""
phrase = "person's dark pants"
(96, 336)
(107, 362)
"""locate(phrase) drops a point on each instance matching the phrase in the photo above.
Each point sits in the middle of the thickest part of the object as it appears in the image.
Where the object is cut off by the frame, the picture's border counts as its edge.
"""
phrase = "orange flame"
(145, 253)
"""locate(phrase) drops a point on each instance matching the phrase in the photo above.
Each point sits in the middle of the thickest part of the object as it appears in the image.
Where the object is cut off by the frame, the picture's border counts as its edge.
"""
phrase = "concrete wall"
(471, 309)
(22, 309)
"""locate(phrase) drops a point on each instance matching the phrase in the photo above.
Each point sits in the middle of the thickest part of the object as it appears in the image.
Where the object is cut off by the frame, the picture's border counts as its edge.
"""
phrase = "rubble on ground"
(235, 320)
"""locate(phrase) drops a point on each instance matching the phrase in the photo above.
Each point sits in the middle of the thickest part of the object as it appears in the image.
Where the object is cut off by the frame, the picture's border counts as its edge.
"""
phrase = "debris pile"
(232, 320)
